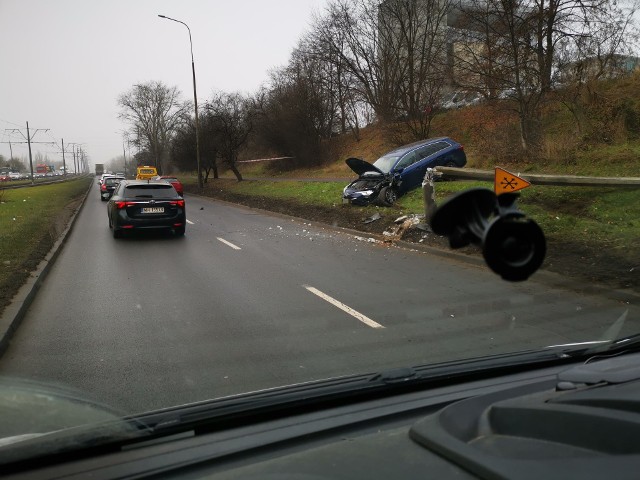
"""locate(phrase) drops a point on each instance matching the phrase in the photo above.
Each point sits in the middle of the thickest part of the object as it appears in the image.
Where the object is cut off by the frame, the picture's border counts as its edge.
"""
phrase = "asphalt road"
(247, 301)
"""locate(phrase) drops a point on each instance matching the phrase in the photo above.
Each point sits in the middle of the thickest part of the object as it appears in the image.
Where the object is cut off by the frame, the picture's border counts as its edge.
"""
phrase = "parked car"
(108, 186)
(400, 171)
(173, 181)
(142, 205)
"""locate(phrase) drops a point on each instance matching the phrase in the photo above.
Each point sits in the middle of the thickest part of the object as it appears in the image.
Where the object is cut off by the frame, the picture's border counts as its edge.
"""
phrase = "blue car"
(400, 171)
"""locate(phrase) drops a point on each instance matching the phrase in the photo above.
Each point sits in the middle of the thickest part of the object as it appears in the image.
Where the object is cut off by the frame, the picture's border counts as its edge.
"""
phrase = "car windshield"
(386, 163)
(511, 224)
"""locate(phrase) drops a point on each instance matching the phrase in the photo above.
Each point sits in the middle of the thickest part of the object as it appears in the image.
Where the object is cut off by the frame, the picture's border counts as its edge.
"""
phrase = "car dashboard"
(566, 421)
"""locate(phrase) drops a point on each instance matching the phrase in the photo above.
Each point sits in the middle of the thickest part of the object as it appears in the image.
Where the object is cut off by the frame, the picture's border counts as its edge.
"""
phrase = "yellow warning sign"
(505, 182)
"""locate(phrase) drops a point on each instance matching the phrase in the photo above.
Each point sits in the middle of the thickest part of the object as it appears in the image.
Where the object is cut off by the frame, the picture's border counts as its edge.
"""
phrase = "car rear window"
(112, 180)
(170, 179)
(151, 190)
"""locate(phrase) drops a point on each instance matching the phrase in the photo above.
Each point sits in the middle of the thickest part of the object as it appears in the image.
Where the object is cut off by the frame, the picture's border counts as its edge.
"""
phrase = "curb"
(13, 314)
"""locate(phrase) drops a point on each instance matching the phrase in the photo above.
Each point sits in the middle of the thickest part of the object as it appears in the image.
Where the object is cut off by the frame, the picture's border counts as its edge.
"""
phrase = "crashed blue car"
(400, 171)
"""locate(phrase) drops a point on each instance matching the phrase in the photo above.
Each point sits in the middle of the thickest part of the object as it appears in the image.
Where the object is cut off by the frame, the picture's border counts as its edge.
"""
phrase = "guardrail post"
(429, 193)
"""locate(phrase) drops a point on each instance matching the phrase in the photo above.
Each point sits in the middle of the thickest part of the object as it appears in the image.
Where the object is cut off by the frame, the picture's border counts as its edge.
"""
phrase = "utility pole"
(30, 159)
(124, 154)
(64, 165)
(29, 141)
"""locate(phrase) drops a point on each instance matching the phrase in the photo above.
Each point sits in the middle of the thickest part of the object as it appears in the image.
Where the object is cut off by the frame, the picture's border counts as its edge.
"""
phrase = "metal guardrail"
(543, 179)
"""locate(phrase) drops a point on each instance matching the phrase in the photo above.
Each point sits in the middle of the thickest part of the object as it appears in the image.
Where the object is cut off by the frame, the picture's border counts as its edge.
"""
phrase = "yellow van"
(145, 172)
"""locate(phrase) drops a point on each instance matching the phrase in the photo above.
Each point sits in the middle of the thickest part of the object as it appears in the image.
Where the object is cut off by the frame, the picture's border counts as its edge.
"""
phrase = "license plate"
(153, 210)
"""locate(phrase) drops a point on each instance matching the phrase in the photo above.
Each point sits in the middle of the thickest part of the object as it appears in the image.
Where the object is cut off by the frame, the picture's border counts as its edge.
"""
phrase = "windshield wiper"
(609, 341)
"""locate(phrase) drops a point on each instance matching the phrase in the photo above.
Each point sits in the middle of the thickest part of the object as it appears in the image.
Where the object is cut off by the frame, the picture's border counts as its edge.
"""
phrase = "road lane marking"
(235, 247)
(190, 222)
(363, 318)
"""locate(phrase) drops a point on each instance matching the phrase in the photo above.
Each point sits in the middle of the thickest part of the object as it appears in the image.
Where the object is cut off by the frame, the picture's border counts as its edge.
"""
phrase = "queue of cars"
(143, 204)
(12, 176)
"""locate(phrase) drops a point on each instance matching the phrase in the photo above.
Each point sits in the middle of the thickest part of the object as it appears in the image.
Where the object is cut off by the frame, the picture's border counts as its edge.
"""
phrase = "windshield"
(275, 265)
(386, 163)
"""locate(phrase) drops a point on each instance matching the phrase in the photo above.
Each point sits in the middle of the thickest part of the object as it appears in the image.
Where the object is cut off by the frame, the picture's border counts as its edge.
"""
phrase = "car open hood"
(361, 166)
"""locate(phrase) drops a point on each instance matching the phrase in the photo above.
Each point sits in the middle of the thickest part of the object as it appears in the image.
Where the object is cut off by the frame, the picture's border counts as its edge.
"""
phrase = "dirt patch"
(576, 260)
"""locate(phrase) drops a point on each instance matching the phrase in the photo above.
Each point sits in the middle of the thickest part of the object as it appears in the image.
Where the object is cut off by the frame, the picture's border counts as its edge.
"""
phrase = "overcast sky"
(63, 63)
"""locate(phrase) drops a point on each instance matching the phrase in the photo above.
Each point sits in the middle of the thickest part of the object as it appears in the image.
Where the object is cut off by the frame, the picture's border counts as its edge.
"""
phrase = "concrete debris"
(397, 232)
(372, 218)
(369, 240)
(414, 217)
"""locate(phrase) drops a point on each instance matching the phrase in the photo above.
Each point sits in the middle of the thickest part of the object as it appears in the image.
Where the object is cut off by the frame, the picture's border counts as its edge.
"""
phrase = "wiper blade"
(610, 339)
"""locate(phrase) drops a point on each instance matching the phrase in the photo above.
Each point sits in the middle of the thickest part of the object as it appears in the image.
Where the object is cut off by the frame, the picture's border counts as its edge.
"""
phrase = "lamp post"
(195, 99)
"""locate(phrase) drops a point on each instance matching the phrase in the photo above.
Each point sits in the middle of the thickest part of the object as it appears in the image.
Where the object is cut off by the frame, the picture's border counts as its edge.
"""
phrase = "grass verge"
(31, 219)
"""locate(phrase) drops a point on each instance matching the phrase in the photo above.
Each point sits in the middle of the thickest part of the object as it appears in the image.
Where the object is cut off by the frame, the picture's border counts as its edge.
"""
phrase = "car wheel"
(387, 196)
(179, 231)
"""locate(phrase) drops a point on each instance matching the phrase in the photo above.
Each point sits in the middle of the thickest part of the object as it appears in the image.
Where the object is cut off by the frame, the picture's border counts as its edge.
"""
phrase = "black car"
(141, 205)
(108, 186)
(400, 171)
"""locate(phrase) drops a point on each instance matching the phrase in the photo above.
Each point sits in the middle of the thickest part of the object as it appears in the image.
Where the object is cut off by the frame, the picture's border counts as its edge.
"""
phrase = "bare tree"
(183, 146)
(515, 48)
(353, 33)
(231, 117)
(153, 111)
(583, 63)
(393, 54)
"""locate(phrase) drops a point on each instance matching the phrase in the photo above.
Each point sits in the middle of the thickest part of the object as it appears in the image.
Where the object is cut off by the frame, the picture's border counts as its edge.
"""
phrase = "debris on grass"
(372, 218)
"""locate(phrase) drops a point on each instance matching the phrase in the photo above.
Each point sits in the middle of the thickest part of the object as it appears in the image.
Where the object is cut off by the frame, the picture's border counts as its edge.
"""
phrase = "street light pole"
(195, 99)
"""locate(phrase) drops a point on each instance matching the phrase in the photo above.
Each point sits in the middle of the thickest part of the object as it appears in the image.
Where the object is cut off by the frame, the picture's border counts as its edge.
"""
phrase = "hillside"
(607, 144)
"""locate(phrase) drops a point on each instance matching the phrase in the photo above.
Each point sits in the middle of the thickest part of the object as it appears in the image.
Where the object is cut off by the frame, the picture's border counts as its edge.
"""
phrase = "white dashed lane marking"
(345, 308)
(235, 247)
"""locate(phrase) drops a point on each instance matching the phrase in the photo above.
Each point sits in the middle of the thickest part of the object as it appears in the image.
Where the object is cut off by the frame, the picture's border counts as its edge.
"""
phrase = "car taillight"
(103, 187)
(179, 203)
(120, 205)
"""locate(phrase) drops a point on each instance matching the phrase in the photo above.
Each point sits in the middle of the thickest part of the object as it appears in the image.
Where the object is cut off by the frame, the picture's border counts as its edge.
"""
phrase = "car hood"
(362, 166)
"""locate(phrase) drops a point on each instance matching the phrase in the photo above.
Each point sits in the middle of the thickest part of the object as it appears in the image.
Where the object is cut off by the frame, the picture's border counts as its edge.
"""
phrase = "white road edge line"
(189, 222)
(235, 247)
(363, 318)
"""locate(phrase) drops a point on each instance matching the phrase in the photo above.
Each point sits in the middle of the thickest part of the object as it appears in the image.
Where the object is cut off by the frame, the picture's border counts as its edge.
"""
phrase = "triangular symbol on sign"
(505, 182)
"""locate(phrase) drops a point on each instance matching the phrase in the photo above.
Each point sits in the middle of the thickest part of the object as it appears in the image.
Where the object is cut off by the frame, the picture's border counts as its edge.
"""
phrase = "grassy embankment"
(31, 219)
